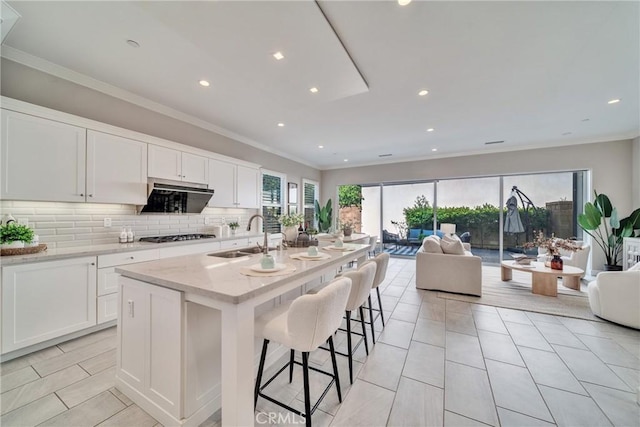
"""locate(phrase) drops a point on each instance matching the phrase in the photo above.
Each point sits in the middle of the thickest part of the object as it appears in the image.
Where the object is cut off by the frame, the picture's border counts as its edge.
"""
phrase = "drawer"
(236, 243)
(107, 308)
(193, 249)
(124, 258)
(107, 281)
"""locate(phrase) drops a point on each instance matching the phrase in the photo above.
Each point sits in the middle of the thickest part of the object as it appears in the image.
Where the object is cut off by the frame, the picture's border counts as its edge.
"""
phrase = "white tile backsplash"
(81, 224)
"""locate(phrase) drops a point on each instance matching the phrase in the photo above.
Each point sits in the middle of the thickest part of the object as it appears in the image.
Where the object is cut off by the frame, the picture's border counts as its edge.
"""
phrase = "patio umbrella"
(512, 222)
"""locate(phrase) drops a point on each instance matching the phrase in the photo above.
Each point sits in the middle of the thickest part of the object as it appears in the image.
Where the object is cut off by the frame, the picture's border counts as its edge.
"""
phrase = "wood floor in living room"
(437, 362)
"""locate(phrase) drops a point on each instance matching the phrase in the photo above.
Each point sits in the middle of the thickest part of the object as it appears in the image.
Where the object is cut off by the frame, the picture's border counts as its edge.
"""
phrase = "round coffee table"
(544, 281)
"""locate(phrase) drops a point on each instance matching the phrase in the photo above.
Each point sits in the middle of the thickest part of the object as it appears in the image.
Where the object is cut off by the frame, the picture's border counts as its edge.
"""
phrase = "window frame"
(283, 189)
(316, 196)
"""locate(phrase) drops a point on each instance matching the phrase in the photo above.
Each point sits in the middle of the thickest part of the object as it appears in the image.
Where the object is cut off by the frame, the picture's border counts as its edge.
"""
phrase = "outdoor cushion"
(414, 233)
(452, 246)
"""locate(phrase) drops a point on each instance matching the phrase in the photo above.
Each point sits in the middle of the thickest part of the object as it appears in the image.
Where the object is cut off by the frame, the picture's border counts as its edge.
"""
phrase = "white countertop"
(93, 250)
(220, 278)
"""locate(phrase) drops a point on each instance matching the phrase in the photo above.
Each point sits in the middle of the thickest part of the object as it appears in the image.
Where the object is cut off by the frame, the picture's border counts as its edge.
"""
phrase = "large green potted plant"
(324, 215)
(14, 235)
(600, 221)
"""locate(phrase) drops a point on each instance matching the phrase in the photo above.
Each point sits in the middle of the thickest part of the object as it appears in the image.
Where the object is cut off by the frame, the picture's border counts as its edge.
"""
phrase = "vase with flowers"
(290, 224)
(552, 245)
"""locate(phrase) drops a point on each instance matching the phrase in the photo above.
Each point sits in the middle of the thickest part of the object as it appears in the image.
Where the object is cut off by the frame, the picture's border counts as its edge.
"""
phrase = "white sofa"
(448, 272)
(615, 296)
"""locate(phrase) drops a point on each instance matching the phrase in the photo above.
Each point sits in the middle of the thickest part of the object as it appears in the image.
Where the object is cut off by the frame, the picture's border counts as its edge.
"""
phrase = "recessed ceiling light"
(204, 83)
(434, 149)
(385, 155)
(278, 55)
(320, 146)
(430, 130)
(280, 125)
(585, 120)
(566, 133)
(313, 90)
(613, 101)
(133, 43)
(346, 160)
(404, 2)
(423, 92)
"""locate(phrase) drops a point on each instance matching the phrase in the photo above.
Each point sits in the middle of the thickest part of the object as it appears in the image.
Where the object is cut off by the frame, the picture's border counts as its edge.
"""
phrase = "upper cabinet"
(47, 160)
(116, 169)
(42, 159)
(236, 186)
(167, 163)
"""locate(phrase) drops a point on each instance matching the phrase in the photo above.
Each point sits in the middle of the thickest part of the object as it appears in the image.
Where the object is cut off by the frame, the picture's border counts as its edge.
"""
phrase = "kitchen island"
(206, 282)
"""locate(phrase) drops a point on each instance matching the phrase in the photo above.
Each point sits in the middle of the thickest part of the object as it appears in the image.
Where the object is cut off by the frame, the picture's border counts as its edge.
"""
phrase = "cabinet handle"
(131, 308)
(93, 263)
(81, 194)
(130, 257)
(90, 195)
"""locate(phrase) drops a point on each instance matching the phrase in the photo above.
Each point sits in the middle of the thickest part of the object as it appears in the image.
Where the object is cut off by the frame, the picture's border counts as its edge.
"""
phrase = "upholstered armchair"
(576, 259)
(615, 296)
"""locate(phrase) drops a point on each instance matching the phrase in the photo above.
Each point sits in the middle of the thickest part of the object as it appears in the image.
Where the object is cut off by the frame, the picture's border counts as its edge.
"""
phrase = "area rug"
(516, 294)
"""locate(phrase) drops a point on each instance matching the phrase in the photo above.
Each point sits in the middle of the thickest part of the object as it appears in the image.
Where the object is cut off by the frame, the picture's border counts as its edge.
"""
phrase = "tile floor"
(437, 362)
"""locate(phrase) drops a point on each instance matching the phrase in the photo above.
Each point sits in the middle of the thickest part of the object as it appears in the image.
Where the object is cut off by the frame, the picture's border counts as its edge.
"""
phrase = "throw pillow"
(452, 246)
(431, 245)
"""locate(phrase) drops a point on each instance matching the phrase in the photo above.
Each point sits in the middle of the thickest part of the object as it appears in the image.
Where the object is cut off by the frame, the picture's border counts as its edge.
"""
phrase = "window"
(273, 185)
(310, 193)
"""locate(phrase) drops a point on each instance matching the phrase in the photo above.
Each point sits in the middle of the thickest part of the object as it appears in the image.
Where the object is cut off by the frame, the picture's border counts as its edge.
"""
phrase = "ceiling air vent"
(493, 142)
(385, 155)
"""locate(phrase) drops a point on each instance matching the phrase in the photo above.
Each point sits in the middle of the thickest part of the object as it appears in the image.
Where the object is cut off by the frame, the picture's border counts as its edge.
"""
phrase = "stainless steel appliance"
(176, 238)
(174, 197)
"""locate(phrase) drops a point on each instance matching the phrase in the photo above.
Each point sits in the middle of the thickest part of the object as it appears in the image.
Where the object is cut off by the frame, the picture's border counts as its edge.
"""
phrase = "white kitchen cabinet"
(192, 249)
(42, 159)
(46, 300)
(107, 308)
(167, 163)
(236, 186)
(157, 331)
(116, 169)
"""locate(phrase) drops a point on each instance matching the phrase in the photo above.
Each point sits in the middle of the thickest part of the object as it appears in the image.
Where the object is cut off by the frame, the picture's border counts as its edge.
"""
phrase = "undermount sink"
(239, 253)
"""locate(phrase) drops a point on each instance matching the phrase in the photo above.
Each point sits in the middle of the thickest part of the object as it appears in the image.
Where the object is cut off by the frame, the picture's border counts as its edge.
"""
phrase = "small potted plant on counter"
(233, 226)
(15, 236)
(290, 224)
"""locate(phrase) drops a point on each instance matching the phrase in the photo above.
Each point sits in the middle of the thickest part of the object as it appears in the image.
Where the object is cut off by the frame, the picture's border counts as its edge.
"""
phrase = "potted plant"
(14, 236)
(600, 221)
(347, 227)
(233, 226)
(324, 215)
(290, 224)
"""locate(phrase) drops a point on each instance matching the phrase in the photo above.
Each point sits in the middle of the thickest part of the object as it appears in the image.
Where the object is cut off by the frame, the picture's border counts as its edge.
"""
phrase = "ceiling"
(531, 74)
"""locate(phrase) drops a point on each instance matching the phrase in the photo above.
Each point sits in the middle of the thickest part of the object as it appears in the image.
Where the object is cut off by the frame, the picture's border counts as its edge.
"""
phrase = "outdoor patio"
(489, 256)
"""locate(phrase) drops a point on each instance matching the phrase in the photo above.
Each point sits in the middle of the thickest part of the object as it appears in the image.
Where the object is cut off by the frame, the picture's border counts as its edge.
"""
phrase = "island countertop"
(221, 279)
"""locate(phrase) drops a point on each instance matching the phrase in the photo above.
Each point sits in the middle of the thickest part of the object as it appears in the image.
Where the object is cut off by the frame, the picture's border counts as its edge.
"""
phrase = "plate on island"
(317, 256)
(345, 248)
(259, 269)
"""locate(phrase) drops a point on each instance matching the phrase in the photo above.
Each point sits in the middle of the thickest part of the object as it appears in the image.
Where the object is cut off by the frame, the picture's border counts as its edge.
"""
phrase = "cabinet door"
(116, 169)
(164, 163)
(107, 308)
(248, 187)
(42, 159)
(195, 168)
(222, 181)
(46, 300)
(132, 330)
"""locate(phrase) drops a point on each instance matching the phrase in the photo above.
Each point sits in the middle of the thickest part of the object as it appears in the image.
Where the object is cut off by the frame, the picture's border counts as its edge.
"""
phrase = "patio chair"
(388, 237)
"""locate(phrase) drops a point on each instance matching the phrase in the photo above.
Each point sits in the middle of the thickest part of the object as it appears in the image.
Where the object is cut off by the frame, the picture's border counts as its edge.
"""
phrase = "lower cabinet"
(46, 300)
(159, 334)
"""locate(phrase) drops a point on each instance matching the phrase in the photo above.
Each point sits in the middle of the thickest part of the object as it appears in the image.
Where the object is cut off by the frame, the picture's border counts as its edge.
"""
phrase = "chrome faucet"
(265, 246)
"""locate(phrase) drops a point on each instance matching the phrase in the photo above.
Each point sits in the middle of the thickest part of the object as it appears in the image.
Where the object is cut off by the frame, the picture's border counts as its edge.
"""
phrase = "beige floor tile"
(571, 410)
(483, 308)
(461, 323)
(515, 419)
(89, 413)
(620, 407)
(579, 326)
(491, 322)
(64, 360)
(458, 306)
(465, 349)
(121, 396)
(368, 405)
(468, 393)
(514, 316)
(514, 389)
(431, 311)
(452, 419)
(429, 332)
(384, 366)
(87, 388)
(34, 390)
(542, 318)
(397, 332)
(393, 291)
(425, 363)
(548, 369)
(411, 297)
(610, 352)
(34, 413)
(17, 378)
(631, 377)
(406, 312)
(100, 362)
(527, 336)
(29, 359)
(417, 404)
(87, 339)
(131, 416)
(499, 347)
(557, 333)
(586, 366)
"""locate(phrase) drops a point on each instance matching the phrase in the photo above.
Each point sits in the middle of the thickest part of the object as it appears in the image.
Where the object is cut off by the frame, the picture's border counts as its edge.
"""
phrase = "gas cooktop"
(176, 238)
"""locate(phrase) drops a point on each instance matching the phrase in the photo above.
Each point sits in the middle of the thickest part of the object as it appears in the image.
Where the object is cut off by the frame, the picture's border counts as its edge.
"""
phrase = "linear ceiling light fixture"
(493, 142)
(613, 101)
(404, 2)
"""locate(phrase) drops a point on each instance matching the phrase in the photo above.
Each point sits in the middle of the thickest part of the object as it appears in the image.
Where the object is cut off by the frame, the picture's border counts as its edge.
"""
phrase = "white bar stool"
(303, 325)
(382, 262)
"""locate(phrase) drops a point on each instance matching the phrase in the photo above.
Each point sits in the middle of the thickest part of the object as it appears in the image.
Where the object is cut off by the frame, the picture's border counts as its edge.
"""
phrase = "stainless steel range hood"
(175, 197)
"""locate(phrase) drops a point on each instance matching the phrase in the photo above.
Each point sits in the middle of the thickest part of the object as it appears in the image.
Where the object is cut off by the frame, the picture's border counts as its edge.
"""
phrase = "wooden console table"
(544, 280)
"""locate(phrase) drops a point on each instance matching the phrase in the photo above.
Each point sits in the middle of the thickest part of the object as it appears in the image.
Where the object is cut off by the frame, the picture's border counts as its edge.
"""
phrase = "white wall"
(613, 170)
(635, 173)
